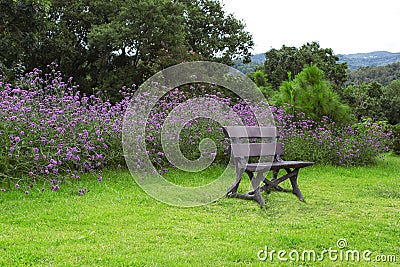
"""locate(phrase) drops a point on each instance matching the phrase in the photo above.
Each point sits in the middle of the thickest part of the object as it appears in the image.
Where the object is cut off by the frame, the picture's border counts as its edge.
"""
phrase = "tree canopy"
(107, 44)
(381, 74)
(311, 93)
(279, 62)
(391, 102)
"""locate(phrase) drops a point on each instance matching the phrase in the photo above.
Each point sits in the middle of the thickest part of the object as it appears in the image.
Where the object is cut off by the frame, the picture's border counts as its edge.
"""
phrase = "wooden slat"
(250, 131)
(253, 149)
(290, 164)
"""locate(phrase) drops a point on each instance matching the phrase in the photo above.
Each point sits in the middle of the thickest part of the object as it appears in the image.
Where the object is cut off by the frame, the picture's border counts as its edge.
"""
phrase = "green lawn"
(117, 224)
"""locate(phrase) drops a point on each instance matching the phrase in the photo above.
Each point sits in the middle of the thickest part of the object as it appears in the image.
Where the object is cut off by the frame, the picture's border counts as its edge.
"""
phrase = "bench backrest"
(242, 137)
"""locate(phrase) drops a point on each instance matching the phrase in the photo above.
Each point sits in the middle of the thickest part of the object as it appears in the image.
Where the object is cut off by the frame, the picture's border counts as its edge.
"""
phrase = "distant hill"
(378, 58)
(258, 58)
(354, 61)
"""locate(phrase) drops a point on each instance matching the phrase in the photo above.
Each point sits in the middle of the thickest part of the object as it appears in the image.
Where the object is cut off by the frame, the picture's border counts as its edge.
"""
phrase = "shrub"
(396, 140)
(326, 142)
(50, 130)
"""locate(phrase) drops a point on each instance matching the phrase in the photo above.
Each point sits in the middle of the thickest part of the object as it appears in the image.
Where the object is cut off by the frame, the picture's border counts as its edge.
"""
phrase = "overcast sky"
(346, 26)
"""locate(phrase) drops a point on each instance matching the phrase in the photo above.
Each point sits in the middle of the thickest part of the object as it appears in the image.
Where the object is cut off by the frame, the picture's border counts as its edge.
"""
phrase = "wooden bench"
(249, 142)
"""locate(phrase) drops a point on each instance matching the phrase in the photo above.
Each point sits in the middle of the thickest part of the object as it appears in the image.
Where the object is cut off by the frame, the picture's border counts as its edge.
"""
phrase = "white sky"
(346, 26)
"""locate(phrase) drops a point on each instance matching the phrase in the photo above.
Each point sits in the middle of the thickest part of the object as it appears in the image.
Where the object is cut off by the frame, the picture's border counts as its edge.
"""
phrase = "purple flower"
(17, 186)
(55, 188)
(82, 191)
(99, 178)
(3, 190)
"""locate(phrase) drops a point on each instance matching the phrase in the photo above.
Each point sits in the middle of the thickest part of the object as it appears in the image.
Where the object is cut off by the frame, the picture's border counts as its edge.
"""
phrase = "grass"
(117, 224)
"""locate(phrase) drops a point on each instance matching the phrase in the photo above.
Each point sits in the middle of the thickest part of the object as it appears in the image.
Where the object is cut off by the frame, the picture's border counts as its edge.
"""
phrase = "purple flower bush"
(322, 141)
(50, 131)
(325, 142)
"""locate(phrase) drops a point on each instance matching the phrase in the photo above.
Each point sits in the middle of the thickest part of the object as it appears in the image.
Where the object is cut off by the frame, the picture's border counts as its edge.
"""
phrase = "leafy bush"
(396, 141)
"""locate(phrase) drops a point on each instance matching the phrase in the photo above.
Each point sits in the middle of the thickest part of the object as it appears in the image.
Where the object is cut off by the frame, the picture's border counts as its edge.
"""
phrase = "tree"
(260, 80)
(215, 35)
(391, 102)
(20, 25)
(382, 74)
(65, 40)
(365, 100)
(291, 59)
(141, 38)
(47, 31)
(310, 93)
(107, 44)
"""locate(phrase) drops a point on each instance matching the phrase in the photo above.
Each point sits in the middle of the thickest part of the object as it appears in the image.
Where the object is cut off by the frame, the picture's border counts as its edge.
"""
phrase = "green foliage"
(291, 59)
(213, 34)
(365, 100)
(391, 102)
(20, 30)
(141, 38)
(381, 74)
(310, 93)
(107, 44)
(269, 93)
(260, 78)
(396, 140)
(374, 100)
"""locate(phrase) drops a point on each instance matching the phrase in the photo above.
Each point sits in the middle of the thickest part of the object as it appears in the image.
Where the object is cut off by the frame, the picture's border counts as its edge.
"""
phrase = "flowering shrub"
(50, 131)
(327, 143)
(192, 121)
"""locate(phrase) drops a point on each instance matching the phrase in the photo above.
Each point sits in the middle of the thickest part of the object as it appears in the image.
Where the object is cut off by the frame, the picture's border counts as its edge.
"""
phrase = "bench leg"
(258, 197)
(295, 186)
(255, 183)
(233, 188)
(275, 181)
(278, 188)
(254, 194)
